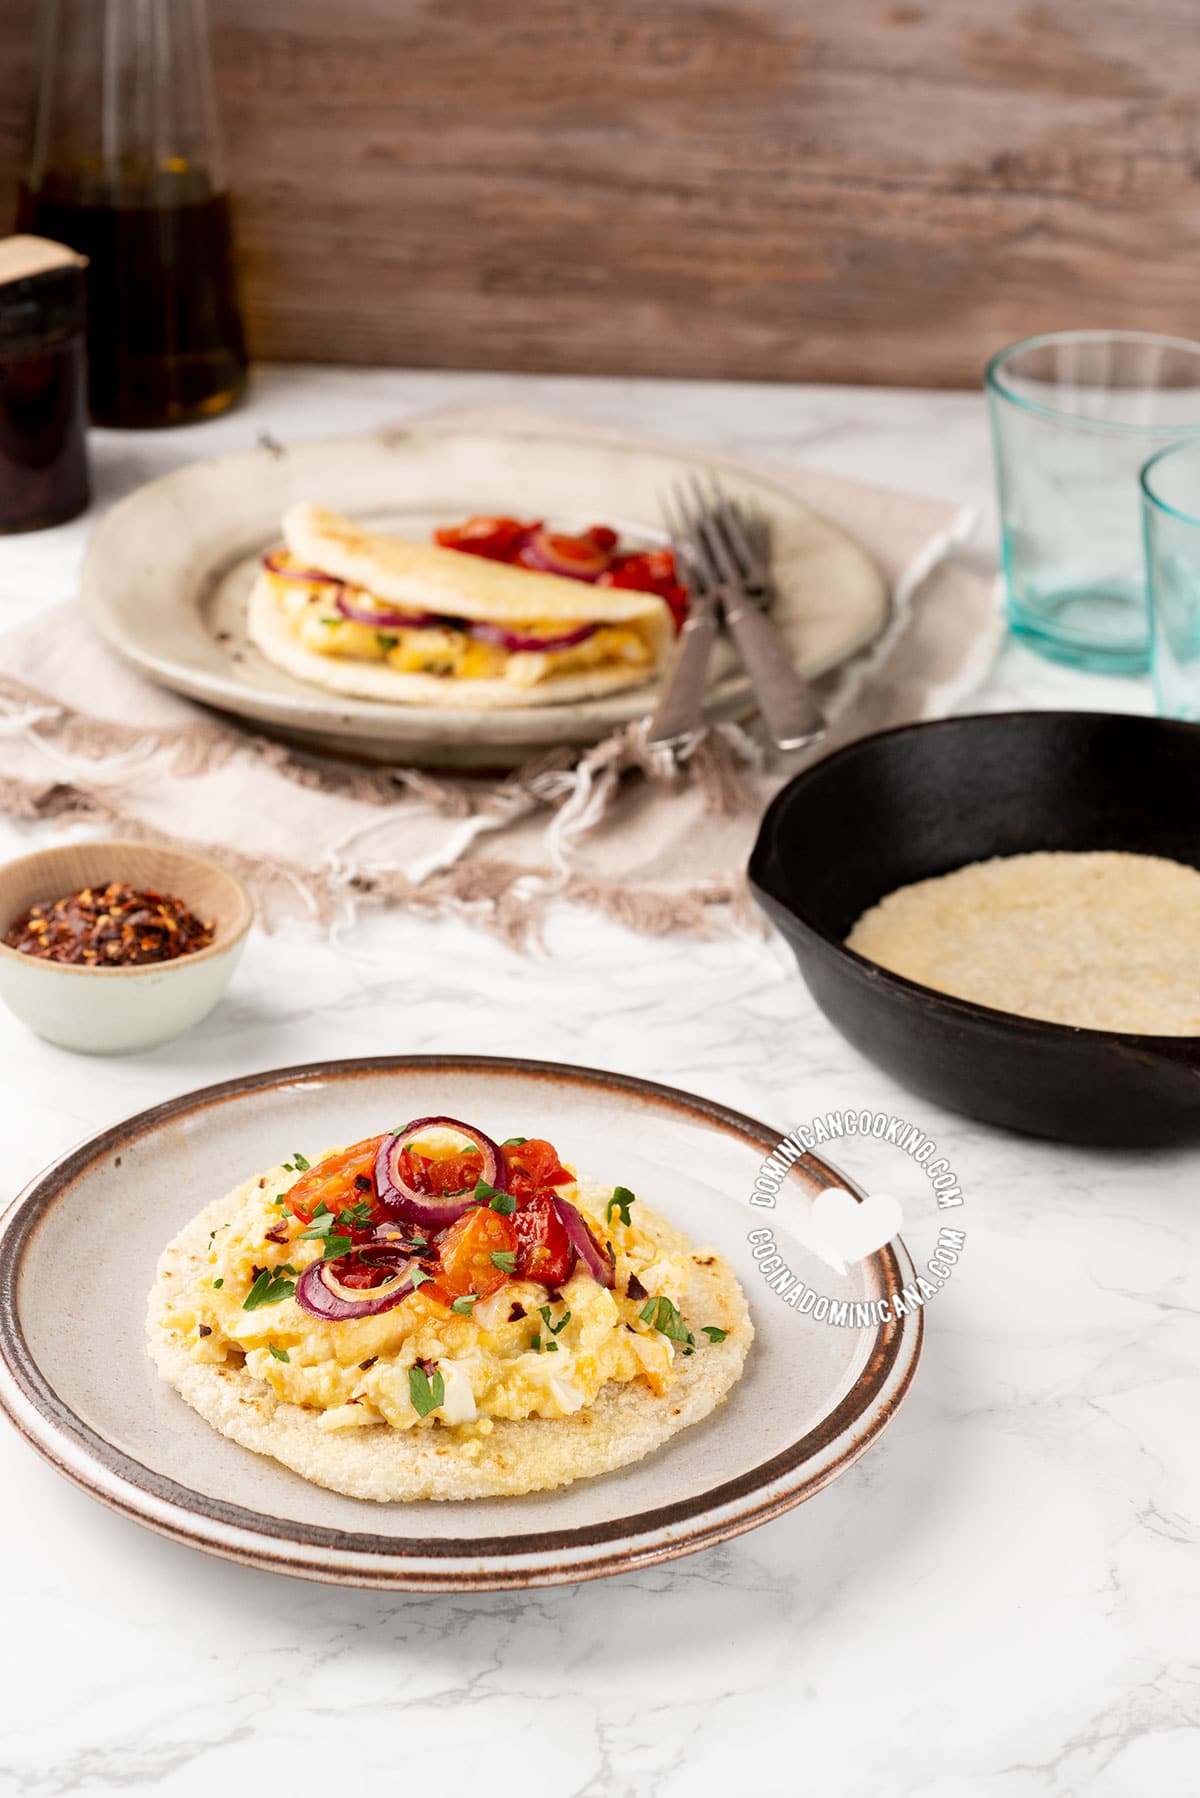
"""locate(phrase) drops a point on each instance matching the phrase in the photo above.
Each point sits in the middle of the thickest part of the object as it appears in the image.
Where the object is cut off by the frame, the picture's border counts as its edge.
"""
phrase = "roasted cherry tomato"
(533, 1167)
(441, 1174)
(466, 1250)
(498, 539)
(344, 1179)
(545, 1251)
(650, 571)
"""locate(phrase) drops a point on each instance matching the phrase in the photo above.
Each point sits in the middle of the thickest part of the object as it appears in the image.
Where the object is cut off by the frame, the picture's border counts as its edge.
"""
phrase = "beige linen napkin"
(657, 841)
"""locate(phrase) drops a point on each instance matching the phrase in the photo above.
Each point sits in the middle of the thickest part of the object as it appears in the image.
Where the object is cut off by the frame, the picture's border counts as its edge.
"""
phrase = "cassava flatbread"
(626, 1422)
(1101, 940)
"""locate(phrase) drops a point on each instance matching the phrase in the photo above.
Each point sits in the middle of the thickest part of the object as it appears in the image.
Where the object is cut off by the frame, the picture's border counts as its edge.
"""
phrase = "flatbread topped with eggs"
(378, 617)
(431, 1315)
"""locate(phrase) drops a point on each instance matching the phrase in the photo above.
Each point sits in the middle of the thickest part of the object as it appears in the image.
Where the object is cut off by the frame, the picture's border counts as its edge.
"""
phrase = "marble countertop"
(999, 1601)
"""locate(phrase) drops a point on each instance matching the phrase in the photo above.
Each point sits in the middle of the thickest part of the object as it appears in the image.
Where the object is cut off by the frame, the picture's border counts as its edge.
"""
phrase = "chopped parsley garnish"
(385, 641)
(665, 1318)
(505, 1260)
(426, 1393)
(418, 1276)
(464, 1304)
(270, 1287)
(503, 1202)
(322, 1224)
(549, 1346)
(620, 1202)
(355, 1217)
(279, 1354)
(300, 1162)
(322, 1230)
(714, 1333)
(219, 1283)
(514, 1142)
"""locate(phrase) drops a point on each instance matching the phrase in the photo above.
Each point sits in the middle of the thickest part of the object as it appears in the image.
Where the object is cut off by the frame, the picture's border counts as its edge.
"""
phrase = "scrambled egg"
(434, 649)
(523, 1352)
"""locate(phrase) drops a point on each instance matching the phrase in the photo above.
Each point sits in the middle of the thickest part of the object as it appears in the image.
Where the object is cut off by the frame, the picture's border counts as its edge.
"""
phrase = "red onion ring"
(538, 552)
(521, 640)
(402, 1201)
(380, 620)
(584, 1243)
(317, 1291)
(312, 576)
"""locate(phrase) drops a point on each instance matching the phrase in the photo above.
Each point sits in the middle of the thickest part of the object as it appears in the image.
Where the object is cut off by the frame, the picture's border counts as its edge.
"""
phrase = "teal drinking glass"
(1171, 529)
(1074, 417)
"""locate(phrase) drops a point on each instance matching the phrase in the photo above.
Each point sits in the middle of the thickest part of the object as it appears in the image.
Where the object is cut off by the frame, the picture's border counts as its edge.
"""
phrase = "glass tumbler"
(1171, 528)
(1074, 416)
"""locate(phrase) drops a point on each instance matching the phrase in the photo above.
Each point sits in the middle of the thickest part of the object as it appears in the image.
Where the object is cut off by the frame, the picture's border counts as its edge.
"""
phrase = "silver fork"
(733, 542)
(677, 713)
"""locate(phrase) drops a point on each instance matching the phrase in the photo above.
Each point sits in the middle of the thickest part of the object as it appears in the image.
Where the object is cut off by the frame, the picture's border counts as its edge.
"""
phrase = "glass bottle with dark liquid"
(125, 167)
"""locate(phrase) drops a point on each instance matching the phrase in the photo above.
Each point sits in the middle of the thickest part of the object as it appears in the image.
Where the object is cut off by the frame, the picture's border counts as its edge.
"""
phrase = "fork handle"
(678, 710)
(785, 699)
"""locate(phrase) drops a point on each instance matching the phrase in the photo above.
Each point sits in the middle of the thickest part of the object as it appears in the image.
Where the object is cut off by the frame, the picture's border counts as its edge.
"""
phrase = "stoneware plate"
(77, 1256)
(168, 572)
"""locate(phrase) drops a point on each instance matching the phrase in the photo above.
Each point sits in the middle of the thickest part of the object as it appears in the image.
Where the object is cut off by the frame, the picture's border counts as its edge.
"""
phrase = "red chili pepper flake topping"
(115, 926)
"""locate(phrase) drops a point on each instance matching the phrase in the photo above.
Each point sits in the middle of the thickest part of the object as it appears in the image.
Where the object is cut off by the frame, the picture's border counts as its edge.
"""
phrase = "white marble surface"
(1000, 1601)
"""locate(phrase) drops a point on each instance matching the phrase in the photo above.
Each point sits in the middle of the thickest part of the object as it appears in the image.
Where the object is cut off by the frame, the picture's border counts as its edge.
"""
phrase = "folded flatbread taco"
(380, 617)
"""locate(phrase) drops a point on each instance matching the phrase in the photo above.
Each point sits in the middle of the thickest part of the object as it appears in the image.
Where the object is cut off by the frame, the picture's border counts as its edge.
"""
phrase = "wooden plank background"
(794, 189)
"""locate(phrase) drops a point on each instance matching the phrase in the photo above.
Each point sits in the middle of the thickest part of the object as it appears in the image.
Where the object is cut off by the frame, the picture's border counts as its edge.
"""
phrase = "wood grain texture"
(750, 188)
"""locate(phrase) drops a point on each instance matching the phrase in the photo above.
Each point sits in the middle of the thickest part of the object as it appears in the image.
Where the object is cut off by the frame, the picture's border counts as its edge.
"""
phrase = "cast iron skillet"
(921, 800)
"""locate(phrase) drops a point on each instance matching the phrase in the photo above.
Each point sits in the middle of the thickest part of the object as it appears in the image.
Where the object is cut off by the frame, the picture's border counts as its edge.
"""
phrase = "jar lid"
(41, 289)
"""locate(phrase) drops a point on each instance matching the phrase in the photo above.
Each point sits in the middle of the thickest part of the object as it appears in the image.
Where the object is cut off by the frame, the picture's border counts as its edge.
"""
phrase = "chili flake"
(117, 926)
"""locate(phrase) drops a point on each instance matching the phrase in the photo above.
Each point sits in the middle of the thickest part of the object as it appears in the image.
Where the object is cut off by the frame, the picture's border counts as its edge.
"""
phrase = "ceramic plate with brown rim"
(77, 1255)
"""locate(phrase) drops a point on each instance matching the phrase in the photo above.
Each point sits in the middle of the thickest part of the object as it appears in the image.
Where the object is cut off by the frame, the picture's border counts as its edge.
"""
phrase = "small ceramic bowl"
(113, 1011)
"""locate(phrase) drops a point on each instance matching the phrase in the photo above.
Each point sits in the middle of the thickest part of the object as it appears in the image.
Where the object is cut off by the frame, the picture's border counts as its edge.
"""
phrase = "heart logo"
(843, 1231)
